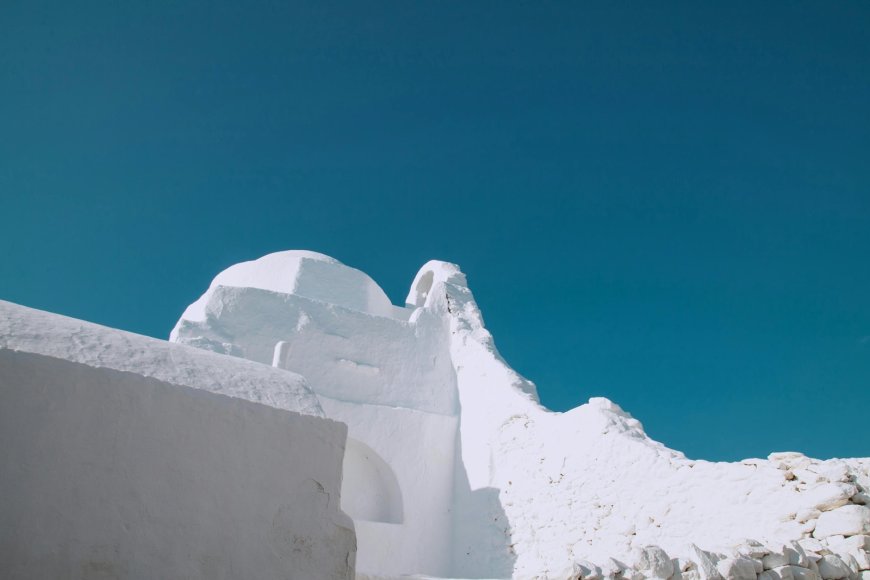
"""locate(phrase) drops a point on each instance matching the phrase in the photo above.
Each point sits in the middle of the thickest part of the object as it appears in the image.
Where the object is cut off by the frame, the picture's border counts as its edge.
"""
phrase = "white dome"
(303, 273)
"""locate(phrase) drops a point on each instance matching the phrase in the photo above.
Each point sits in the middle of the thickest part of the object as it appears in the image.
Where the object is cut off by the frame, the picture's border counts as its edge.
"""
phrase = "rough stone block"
(848, 520)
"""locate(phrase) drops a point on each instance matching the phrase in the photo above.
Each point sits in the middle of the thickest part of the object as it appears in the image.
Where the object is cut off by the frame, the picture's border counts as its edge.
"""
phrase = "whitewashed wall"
(110, 474)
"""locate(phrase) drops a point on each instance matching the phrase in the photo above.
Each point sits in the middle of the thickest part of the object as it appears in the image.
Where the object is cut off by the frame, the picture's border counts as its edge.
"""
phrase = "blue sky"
(665, 205)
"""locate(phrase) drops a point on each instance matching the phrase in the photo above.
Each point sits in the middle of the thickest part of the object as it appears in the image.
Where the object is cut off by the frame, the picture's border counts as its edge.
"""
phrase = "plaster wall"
(409, 532)
(343, 354)
(111, 474)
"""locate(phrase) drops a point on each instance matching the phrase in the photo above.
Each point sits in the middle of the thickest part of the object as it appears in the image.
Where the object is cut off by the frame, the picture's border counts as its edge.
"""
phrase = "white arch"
(432, 273)
(422, 288)
(369, 488)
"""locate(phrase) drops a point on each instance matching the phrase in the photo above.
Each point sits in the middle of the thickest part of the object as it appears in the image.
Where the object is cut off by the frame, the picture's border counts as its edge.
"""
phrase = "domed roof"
(298, 254)
(303, 273)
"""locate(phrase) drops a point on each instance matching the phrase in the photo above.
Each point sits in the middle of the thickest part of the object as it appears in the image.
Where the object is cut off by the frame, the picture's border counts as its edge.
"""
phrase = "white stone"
(807, 476)
(811, 544)
(844, 544)
(752, 548)
(833, 470)
(806, 515)
(706, 564)
(832, 567)
(796, 554)
(851, 562)
(775, 560)
(861, 558)
(654, 562)
(683, 564)
(801, 573)
(569, 571)
(781, 573)
(612, 568)
(829, 496)
(589, 570)
(737, 569)
(847, 520)
(756, 562)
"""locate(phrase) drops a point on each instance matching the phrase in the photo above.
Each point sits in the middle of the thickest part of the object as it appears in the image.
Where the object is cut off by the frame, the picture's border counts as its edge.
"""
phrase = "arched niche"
(422, 288)
(369, 488)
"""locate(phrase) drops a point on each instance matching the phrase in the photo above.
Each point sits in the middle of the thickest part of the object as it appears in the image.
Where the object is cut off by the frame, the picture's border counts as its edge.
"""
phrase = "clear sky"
(665, 205)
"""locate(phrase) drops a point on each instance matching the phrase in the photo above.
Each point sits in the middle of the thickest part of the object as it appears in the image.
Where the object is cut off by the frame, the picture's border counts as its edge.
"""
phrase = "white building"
(449, 466)
(454, 469)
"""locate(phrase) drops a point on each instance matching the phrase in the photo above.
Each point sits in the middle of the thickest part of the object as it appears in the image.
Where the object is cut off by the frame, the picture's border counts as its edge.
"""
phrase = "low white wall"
(109, 474)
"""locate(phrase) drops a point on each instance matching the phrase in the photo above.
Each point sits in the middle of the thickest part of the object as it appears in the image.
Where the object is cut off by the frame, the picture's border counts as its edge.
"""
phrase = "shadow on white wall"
(369, 489)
